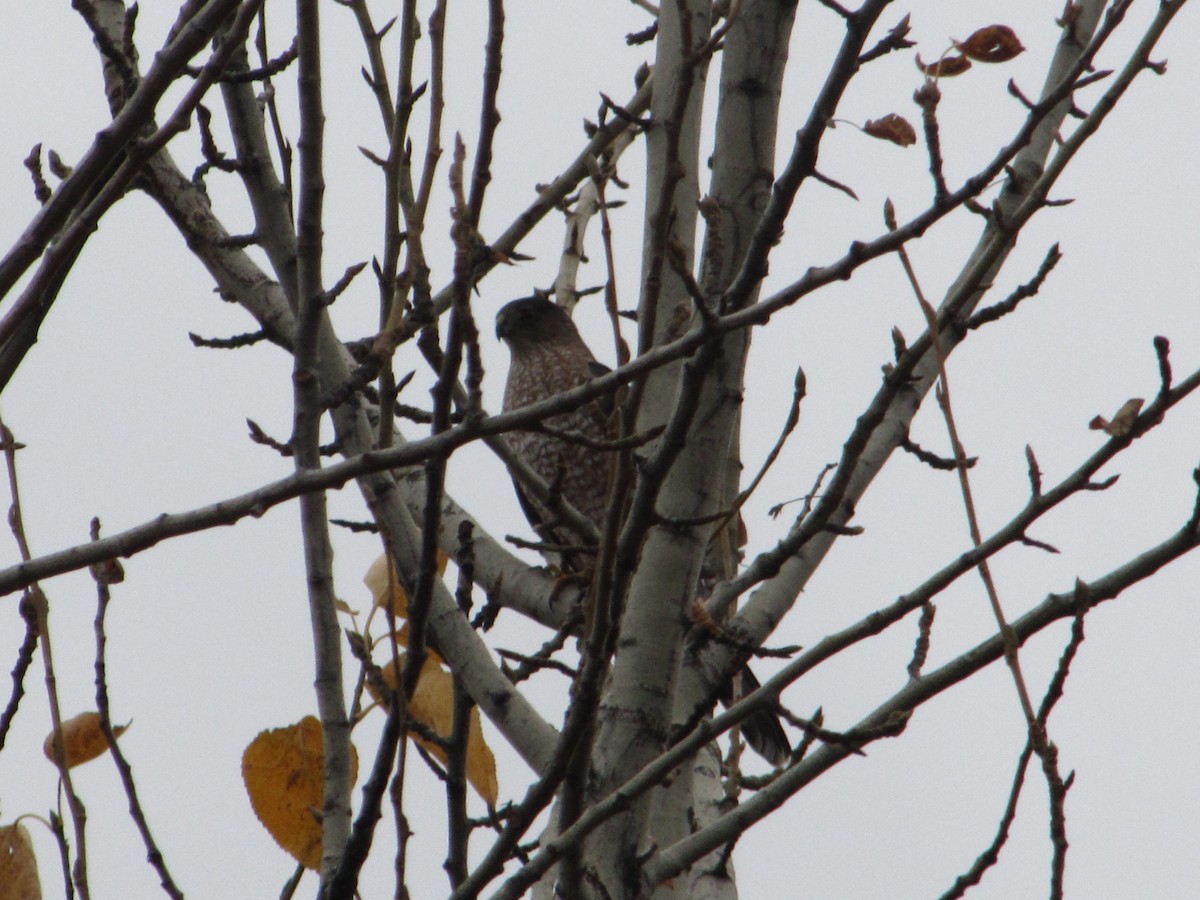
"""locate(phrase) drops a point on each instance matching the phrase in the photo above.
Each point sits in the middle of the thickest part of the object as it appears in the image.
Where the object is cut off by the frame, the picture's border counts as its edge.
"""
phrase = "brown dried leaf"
(83, 739)
(284, 773)
(381, 579)
(1070, 15)
(946, 67)
(700, 615)
(993, 44)
(110, 571)
(892, 128)
(432, 704)
(18, 865)
(1122, 422)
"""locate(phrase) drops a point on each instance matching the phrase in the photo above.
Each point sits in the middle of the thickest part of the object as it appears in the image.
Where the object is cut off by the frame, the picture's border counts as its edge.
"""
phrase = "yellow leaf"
(18, 865)
(432, 704)
(284, 772)
(382, 581)
(83, 739)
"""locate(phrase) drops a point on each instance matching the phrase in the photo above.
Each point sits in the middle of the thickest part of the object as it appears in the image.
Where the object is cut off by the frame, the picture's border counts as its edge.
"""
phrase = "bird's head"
(533, 320)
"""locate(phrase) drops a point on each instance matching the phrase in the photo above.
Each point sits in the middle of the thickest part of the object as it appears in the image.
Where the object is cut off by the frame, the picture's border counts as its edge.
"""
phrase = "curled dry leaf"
(1122, 422)
(18, 865)
(284, 773)
(892, 128)
(946, 67)
(108, 572)
(83, 739)
(1069, 16)
(993, 44)
(383, 581)
(432, 704)
(700, 615)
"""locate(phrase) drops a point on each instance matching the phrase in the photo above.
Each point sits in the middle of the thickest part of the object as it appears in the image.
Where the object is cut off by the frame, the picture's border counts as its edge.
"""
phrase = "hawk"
(549, 357)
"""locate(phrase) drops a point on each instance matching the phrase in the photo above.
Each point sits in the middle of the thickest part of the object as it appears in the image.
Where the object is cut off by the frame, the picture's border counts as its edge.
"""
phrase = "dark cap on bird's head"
(533, 320)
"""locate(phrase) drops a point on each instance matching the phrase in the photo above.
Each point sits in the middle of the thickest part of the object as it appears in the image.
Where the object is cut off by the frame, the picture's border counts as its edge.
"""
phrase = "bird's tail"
(762, 729)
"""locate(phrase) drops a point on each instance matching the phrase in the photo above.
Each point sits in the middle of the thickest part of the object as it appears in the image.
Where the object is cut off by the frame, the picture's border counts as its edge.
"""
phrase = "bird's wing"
(603, 407)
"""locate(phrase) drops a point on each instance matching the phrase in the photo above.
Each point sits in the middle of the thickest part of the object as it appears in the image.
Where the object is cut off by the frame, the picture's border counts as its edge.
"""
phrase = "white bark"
(772, 601)
(636, 710)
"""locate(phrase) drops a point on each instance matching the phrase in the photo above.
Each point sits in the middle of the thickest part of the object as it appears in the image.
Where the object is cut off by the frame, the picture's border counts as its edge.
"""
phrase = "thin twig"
(86, 197)
(20, 667)
(35, 605)
(28, 613)
(1046, 750)
(991, 855)
(153, 854)
(927, 97)
(305, 443)
(799, 389)
(924, 635)
(137, 110)
(1022, 292)
(1011, 653)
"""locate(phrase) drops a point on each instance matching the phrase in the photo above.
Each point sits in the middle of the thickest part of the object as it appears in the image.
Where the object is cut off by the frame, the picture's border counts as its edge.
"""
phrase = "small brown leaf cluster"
(892, 128)
(993, 44)
(1069, 16)
(1122, 422)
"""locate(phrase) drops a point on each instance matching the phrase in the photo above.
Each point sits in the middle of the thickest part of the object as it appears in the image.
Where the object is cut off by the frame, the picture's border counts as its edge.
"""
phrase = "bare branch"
(153, 854)
(1029, 289)
(305, 444)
